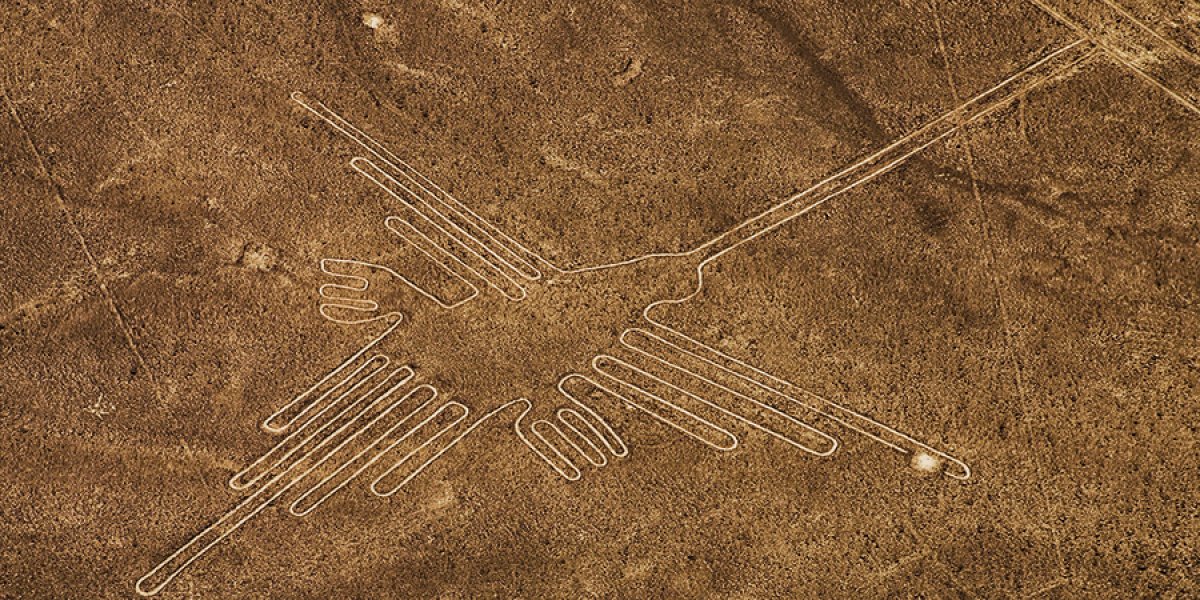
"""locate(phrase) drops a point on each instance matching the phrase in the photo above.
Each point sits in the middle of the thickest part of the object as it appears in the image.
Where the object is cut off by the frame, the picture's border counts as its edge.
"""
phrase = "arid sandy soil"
(1021, 291)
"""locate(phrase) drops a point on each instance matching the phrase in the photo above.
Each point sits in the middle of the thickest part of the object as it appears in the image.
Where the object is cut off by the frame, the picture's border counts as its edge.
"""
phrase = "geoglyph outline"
(497, 260)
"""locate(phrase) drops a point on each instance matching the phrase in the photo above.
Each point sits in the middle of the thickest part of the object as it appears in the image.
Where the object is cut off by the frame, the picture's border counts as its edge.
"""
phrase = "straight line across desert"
(616, 300)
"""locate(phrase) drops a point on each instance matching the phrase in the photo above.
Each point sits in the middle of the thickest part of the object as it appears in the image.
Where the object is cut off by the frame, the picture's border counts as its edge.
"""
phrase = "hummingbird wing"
(660, 382)
(366, 416)
(694, 388)
(433, 220)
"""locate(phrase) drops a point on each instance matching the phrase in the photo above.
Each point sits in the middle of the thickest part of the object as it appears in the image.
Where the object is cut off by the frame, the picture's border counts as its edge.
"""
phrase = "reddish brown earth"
(1024, 293)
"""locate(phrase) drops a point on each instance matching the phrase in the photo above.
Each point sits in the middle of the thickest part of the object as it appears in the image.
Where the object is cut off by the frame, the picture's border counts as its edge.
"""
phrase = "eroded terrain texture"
(971, 224)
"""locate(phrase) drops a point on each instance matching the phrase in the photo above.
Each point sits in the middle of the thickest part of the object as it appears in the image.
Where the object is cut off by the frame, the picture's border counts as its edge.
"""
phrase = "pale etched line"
(570, 441)
(571, 472)
(776, 433)
(844, 416)
(1172, 44)
(785, 211)
(952, 578)
(239, 481)
(1187, 103)
(376, 484)
(994, 277)
(564, 413)
(878, 577)
(432, 392)
(772, 218)
(384, 154)
(255, 471)
(416, 202)
(355, 284)
(93, 265)
(424, 245)
(750, 381)
(222, 532)
(355, 432)
(518, 402)
(416, 238)
(1116, 55)
(366, 166)
(616, 446)
(358, 164)
(730, 438)
(490, 232)
(363, 285)
(300, 398)
(1072, 55)
(608, 438)
(928, 129)
(1049, 587)
(594, 363)
(157, 578)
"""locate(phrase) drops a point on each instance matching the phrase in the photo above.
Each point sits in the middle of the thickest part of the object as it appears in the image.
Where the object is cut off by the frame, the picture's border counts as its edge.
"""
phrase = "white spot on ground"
(926, 463)
(372, 20)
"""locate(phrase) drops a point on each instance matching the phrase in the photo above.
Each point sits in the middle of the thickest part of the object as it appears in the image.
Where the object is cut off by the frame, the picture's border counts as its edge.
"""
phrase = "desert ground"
(950, 249)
